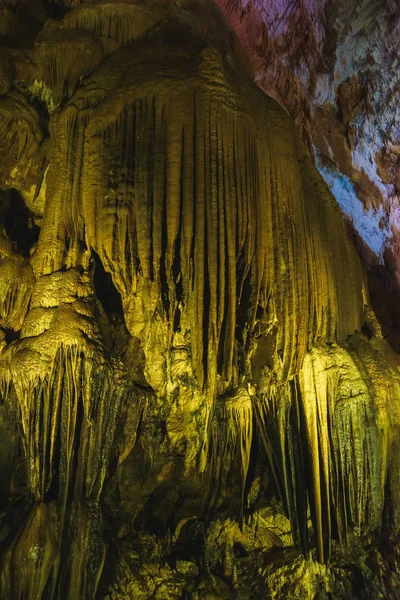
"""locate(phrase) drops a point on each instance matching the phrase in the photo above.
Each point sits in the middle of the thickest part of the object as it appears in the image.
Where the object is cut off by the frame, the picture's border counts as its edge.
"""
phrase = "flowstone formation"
(197, 398)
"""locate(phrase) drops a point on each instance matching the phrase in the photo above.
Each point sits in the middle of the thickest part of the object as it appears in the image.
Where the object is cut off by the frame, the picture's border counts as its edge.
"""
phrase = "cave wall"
(334, 66)
(197, 396)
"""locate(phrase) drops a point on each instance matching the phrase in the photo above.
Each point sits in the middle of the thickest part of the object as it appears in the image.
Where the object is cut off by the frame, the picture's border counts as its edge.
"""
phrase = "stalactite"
(21, 138)
(37, 566)
(121, 21)
(71, 399)
(44, 561)
(221, 228)
(60, 242)
(61, 58)
(281, 430)
(232, 274)
(153, 225)
(328, 436)
(16, 282)
(231, 435)
(69, 392)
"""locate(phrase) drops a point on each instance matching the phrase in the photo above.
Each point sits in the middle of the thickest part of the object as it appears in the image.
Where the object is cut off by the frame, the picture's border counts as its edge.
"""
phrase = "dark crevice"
(177, 319)
(385, 302)
(55, 10)
(220, 258)
(206, 303)
(11, 335)
(19, 224)
(245, 290)
(193, 241)
(75, 490)
(29, 18)
(252, 468)
(43, 115)
(105, 290)
(239, 550)
(367, 330)
(176, 265)
(150, 179)
(224, 325)
(164, 253)
(55, 486)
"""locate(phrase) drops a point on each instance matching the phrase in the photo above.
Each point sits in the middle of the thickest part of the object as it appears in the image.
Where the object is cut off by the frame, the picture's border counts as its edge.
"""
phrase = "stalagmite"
(192, 321)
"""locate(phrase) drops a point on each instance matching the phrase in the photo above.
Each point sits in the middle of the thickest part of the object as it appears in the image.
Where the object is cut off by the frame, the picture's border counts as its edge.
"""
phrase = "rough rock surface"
(197, 397)
(335, 66)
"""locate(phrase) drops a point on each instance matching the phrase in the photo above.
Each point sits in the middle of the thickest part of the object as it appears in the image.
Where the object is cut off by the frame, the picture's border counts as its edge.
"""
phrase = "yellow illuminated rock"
(188, 348)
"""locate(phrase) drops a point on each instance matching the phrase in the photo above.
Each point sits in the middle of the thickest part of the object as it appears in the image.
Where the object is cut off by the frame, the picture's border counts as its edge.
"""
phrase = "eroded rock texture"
(197, 398)
(335, 66)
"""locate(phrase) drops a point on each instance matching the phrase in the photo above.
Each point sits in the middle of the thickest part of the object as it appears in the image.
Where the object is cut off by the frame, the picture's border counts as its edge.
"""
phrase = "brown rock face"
(334, 66)
(197, 398)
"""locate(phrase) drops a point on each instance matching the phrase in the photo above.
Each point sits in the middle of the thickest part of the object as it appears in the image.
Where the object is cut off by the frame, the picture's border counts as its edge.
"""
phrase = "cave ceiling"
(199, 322)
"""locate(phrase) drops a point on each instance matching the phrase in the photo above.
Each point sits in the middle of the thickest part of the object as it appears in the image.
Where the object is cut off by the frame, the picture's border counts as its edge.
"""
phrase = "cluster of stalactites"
(329, 437)
(66, 51)
(200, 200)
(121, 22)
(16, 282)
(68, 390)
(202, 204)
(21, 138)
(210, 205)
(231, 436)
(69, 419)
(55, 55)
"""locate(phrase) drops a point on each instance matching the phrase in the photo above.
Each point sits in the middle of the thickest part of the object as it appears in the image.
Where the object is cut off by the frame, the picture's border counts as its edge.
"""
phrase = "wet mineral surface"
(197, 397)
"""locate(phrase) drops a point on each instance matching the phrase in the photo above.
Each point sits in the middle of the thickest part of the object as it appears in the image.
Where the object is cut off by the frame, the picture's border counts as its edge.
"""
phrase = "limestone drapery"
(241, 296)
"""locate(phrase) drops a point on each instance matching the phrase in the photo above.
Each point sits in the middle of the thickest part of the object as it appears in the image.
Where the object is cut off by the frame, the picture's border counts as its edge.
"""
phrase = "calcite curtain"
(192, 279)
